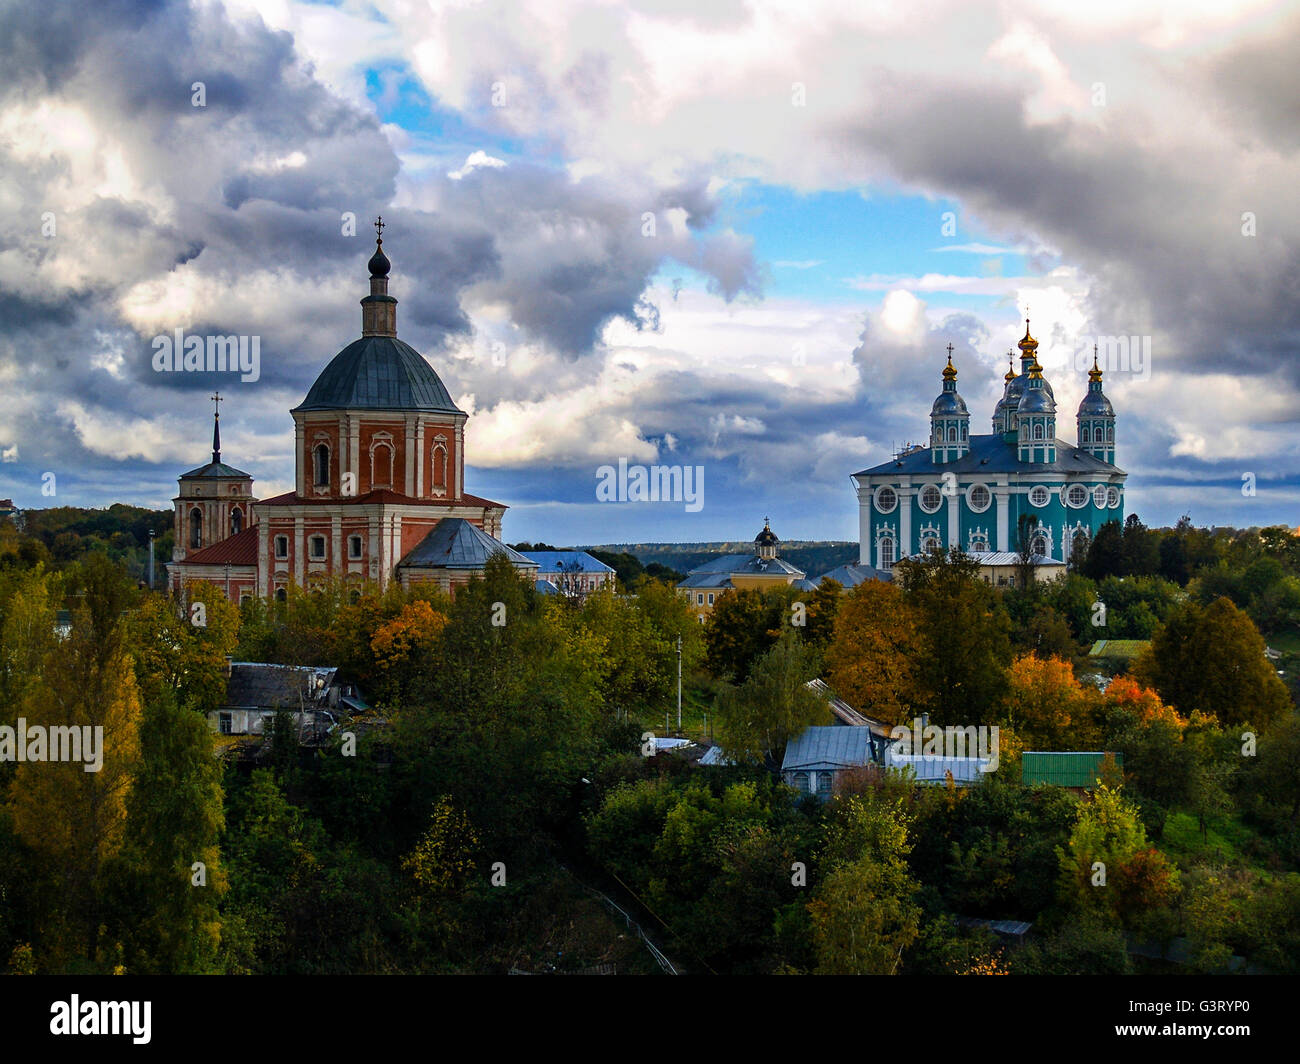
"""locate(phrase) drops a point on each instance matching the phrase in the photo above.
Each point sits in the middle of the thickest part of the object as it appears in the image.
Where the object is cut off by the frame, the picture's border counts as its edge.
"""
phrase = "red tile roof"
(239, 549)
(386, 495)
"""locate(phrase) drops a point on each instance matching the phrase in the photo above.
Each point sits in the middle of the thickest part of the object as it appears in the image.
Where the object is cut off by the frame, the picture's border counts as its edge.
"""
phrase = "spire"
(949, 371)
(216, 427)
(1094, 374)
(379, 309)
(1010, 375)
(1028, 345)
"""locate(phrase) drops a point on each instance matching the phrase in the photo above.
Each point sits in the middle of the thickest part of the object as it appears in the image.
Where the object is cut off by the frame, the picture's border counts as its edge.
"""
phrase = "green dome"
(378, 373)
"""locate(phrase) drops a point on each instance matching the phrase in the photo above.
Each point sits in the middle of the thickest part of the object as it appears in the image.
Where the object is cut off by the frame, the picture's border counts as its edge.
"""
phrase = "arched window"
(381, 464)
(887, 553)
(1087, 434)
(801, 782)
(952, 433)
(439, 464)
(322, 462)
(1110, 433)
(964, 429)
(1038, 545)
(280, 594)
(1038, 432)
(979, 541)
(930, 543)
(196, 528)
(236, 521)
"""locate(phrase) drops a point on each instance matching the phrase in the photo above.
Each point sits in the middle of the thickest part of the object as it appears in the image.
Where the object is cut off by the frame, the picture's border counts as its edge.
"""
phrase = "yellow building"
(758, 571)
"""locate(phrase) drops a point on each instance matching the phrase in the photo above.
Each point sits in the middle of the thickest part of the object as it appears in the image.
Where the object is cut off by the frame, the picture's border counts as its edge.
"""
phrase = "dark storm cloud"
(1157, 220)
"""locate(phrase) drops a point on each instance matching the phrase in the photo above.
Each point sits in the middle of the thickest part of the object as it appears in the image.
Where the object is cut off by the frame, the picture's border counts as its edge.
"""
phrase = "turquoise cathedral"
(970, 491)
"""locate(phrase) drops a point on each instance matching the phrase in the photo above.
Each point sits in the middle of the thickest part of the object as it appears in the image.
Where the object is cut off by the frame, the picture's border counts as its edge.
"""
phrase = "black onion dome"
(379, 264)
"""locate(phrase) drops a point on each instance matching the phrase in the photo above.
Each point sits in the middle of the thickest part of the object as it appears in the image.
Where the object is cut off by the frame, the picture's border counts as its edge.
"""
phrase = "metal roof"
(213, 470)
(853, 575)
(746, 564)
(455, 543)
(239, 549)
(992, 454)
(262, 686)
(1064, 768)
(828, 747)
(1004, 557)
(550, 561)
(378, 373)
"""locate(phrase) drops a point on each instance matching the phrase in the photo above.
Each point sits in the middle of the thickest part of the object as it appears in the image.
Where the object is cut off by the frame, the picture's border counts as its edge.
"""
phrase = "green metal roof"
(1064, 768)
(1118, 648)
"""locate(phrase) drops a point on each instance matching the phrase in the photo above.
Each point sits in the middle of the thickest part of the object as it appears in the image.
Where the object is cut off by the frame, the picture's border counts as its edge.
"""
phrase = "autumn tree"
(875, 652)
(1047, 706)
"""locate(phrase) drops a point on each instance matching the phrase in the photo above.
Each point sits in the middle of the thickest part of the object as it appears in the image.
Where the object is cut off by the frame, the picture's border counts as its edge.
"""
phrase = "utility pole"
(151, 535)
(679, 685)
(227, 581)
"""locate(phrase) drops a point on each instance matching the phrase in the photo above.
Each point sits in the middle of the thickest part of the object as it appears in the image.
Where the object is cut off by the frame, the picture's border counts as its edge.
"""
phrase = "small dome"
(949, 404)
(766, 538)
(1096, 404)
(379, 264)
(1037, 401)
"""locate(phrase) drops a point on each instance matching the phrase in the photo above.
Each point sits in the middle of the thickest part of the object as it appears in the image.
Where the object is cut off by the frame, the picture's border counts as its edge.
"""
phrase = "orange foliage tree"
(871, 661)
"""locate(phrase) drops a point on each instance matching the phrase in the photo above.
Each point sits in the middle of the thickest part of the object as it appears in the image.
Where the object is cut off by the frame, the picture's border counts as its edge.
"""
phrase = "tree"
(873, 657)
(1106, 552)
(1108, 869)
(1211, 658)
(1046, 705)
(756, 720)
(967, 636)
(1139, 548)
(1026, 526)
(171, 878)
(441, 864)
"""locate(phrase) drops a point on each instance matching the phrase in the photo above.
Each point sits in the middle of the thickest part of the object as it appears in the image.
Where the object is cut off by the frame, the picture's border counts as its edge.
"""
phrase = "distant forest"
(814, 557)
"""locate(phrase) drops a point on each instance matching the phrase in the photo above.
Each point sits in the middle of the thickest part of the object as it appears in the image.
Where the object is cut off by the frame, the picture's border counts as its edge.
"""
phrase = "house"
(938, 769)
(1076, 769)
(573, 573)
(846, 716)
(760, 570)
(1119, 651)
(1001, 567)
(8, 511)
(815, 760)
(256, 692)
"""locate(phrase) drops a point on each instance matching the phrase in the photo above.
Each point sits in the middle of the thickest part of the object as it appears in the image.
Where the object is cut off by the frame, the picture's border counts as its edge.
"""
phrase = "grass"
(1287, 642)
(1227, 840)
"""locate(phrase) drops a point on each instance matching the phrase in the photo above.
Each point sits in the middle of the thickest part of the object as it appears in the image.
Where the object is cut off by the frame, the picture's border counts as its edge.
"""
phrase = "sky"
(731, 236)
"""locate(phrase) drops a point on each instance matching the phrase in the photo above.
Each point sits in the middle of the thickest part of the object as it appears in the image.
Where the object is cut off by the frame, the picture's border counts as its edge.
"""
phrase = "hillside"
(814, 557)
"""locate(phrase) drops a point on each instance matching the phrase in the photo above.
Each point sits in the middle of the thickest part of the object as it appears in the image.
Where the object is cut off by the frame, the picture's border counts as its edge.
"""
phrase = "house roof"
(992, 454)
(853, 575)
(1064, 768)
(1118, 648)
(1005, 557)
(239, 549)
(262, 686)
(455, 543)
(828, 747)
(550, 561)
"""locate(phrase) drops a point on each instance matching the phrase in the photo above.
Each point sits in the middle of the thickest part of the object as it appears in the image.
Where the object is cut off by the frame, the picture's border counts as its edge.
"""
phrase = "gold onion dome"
(1027, 342)
(1010, 374)
(950, 371)
(1094, 374)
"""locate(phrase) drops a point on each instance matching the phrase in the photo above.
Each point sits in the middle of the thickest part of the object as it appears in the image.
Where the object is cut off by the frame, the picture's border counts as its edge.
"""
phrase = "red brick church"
(379, 449)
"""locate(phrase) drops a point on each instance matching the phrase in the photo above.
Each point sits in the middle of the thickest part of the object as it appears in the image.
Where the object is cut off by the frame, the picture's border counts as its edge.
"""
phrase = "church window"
(1038, 545)
(196, 528)
(236, 521)
(931, 543)
(1038, 495)
(1110, 433)
(316, 547)
(964, 430)
(381, 465)
(931, 498)
(282, 546)
(322, 461)
(1087, 434)
(439, 464)
(979, 498)
(1112, 497)
(1099, 496)
(354, 547)
(979, 541)
(952, 433)
(887, 553)
(1038, 432)
(1077, 496)
(886, 499)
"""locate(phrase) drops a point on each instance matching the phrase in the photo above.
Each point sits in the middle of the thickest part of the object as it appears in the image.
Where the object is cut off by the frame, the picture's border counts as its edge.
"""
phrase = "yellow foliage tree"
(1047, 707)
(871, 660)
